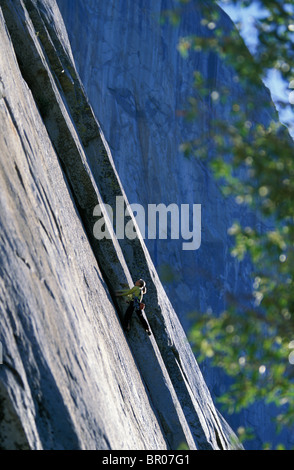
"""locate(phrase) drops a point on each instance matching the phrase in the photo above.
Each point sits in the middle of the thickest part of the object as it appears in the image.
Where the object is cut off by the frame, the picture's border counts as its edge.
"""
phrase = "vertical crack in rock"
(12, 435)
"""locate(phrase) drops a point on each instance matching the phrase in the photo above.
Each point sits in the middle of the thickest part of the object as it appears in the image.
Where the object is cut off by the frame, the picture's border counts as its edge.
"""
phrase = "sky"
(279, 90)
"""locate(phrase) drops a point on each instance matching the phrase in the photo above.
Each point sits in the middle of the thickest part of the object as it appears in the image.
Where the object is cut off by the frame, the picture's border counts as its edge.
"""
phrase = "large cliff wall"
(139, 85)
(70, 378)
(134, 75)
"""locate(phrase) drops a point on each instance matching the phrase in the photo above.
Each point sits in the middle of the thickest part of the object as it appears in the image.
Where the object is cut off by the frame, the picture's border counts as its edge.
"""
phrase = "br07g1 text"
(167, 459)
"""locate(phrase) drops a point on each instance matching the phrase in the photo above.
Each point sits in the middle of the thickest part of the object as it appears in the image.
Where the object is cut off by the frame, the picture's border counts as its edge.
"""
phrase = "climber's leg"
(128, 316)
(143, 321)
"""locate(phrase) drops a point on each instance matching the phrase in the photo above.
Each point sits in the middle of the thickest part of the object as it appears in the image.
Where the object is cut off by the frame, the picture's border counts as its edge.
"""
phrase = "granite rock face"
(70, 378)
(139, 86)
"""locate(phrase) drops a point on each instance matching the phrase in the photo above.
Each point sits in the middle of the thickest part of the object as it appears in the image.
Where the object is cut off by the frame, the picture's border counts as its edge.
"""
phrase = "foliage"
(254, 342)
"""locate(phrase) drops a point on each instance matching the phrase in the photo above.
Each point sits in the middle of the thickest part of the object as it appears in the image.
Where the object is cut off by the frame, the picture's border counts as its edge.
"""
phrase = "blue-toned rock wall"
(139, 85)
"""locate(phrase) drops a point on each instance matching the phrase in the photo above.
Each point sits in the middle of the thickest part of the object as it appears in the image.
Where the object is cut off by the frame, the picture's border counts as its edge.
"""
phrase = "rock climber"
(135, 296)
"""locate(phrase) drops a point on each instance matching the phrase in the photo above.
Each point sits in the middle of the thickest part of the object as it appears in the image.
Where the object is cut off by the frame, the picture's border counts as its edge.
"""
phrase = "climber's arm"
(126, 291)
